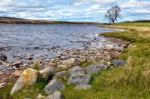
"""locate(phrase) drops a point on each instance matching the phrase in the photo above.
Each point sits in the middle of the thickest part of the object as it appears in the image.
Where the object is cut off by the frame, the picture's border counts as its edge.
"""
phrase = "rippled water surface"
(41, 39)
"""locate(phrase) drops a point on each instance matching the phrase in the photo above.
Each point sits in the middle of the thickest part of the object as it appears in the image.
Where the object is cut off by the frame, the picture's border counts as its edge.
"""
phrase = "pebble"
(2, 85)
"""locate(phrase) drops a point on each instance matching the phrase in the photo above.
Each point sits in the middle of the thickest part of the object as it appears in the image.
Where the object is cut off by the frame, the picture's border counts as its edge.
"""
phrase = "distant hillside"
(142, 21)
(12, 20)
(9, 18)
(139, 21)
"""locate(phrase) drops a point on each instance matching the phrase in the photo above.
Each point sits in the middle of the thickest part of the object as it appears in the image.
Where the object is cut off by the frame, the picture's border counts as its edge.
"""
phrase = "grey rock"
(47, 73)
(55, 95)
(118, 63)
(94, 69)
(28, 78)
(53, 86)
(79, 79)
(63, 74)
(76, 70)
(18, 85)
(17, 64)
(3, 57)
(78, 76)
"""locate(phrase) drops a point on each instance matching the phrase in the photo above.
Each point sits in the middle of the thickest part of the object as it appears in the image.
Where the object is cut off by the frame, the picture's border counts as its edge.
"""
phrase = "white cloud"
(135, 4)
(4, 3)
(141, 11)
(99, 1)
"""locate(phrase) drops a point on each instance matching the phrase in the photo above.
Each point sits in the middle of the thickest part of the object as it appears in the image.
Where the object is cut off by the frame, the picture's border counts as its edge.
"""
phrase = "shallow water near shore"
(45, 40)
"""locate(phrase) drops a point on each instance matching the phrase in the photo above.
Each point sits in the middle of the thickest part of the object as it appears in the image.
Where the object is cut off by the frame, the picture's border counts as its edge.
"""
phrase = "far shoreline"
(11, 20)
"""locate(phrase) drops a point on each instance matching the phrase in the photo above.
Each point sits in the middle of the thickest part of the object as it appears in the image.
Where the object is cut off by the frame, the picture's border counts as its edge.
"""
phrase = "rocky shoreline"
(75, 65)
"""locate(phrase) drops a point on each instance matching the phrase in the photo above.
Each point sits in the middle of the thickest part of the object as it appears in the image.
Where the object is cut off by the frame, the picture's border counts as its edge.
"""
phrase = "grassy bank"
(129, 82)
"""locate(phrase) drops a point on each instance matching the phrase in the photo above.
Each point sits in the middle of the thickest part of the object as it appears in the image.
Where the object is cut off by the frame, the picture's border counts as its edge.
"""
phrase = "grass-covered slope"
(129, 82)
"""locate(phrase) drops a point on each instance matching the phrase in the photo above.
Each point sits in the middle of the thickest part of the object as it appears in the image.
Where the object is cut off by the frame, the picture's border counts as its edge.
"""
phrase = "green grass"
(129, 82)
(131, 35)
(5, 92)
(137, 24)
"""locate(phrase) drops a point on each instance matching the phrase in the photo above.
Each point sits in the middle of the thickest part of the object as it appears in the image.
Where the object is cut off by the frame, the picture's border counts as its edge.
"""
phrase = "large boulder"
(3, 57)
(62, 74)
(47, 73)
(79, 79)
(95, 69)
(78, 76)
(52, 86)
(76, 70)
(18, 85)
(55, 95)
(27, 78)
(30, 76)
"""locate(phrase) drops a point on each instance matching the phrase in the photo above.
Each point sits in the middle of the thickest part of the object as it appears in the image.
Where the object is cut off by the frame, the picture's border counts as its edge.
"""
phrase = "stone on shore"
(40, 96)
(95, 69)
(69, 62)
(53, 85)
(55, 95)
(18, 85)
(47, 73)
(2, 85)
(76, 70)
(16, 73)
(62, 74)
(92, 69)
(27, 78)
(29, 56)
(30, 76)
(17, 64)
(78, 77)
(3, 57)
(62, 67)
(109, 46)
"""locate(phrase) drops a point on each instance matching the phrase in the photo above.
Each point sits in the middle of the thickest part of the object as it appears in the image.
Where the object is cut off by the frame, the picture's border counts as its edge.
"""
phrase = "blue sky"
(74, 10)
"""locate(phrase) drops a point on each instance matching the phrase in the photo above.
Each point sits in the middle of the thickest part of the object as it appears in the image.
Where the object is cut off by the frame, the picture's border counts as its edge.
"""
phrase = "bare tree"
(113, 13)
